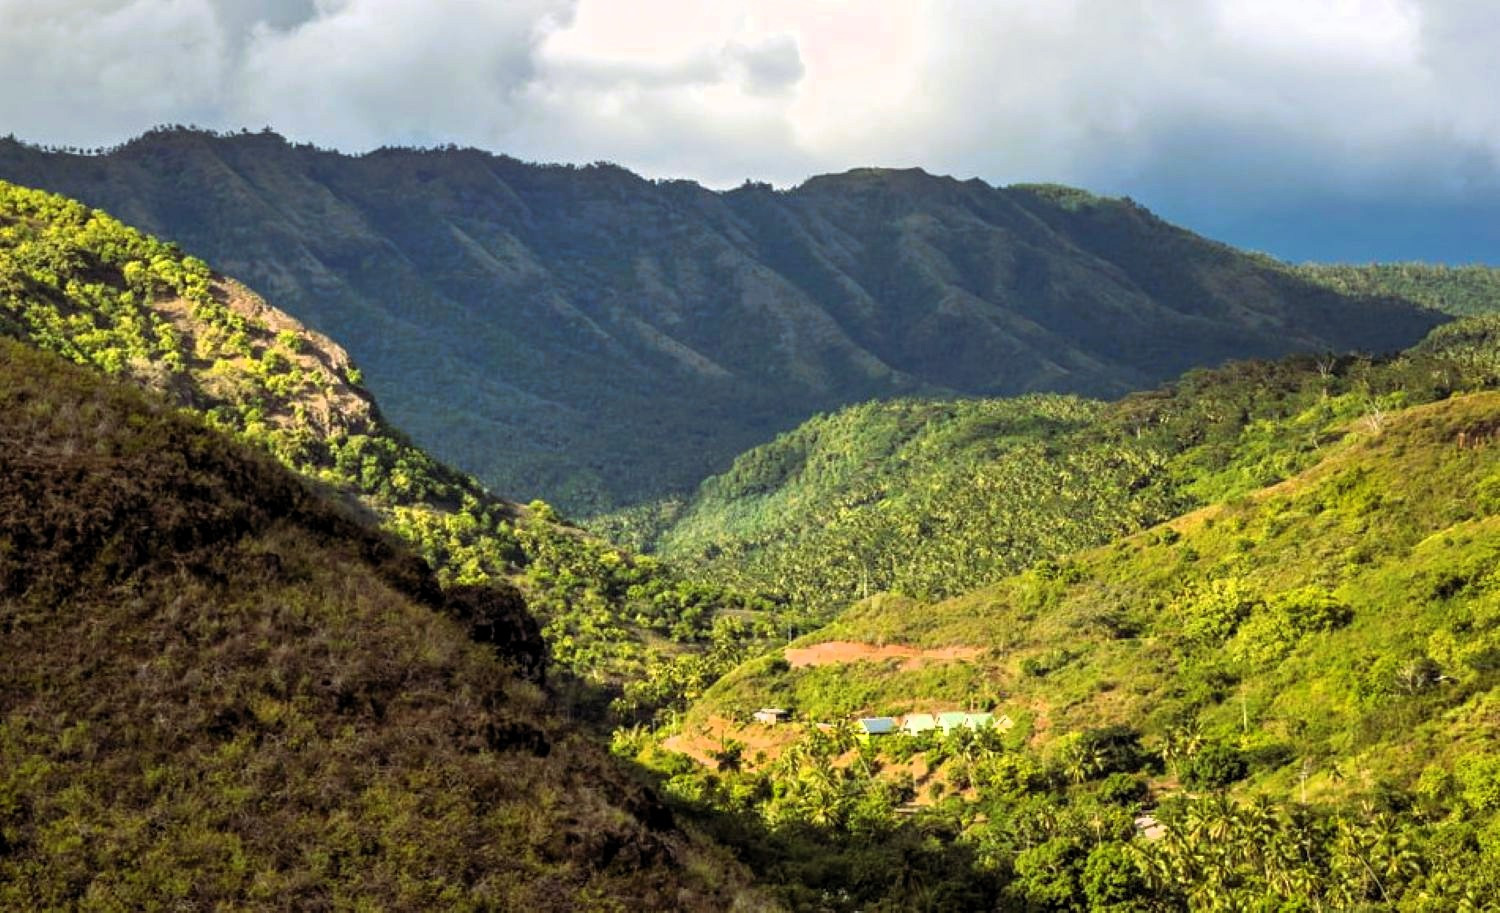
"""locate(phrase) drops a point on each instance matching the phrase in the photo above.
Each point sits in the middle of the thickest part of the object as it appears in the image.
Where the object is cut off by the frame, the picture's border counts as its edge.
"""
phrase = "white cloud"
(366, 72)
(80, 72)
(1203, 96)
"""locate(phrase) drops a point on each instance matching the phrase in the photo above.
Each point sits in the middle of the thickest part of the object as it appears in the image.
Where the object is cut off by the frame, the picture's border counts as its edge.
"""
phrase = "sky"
(1313, 129)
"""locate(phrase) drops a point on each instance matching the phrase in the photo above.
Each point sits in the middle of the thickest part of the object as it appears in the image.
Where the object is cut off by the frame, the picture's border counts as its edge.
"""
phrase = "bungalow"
(772, 715)
(980, 721)
(868, 726)
(976, 721)
(918, 723)
(952, 720)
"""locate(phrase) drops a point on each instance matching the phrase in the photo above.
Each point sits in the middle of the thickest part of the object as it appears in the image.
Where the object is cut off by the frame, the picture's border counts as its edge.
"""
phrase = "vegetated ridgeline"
(79, 283)
(934, 498)
(601, 340)
(1463, 290)
(219, 688)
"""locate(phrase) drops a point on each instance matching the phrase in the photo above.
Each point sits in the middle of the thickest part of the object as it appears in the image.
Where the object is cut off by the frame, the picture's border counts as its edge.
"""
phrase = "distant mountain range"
(598, 339)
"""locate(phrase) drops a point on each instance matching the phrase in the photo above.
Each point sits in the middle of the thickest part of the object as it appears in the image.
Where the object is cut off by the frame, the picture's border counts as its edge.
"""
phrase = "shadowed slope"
(596, 338)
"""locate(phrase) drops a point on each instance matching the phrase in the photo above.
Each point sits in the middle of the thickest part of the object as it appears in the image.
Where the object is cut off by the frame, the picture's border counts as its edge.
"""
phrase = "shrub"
(1111, 879)
(1212, 612)
(1215, 766)
(1123, 789)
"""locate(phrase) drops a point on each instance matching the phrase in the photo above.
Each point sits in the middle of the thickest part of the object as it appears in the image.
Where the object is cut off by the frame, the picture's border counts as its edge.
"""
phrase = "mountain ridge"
(602, 339)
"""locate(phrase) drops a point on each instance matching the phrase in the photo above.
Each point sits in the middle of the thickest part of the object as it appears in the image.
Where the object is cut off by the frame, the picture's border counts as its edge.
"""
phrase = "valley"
(1255, 601)
(573, 456)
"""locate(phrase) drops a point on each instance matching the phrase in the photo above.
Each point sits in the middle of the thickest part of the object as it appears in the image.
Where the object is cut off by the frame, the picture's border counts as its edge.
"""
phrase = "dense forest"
(936, 497)
(598, 339)
(1458, 290)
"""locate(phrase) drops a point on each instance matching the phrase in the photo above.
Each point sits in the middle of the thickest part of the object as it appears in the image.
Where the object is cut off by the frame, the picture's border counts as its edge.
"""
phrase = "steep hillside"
(1385, 525)
(79, 283)
(924, 496)
(219, 689)
(584, 334)
(1459, 290)
(1289, 698)
(934, 498)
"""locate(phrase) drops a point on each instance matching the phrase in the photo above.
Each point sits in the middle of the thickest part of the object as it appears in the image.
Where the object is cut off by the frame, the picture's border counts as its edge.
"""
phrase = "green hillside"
(219, 689)
(935, 498)
(601, 340)
(1378, 513)
(1463, 291)
(922, 496)
(1300, 681)
(81, 284)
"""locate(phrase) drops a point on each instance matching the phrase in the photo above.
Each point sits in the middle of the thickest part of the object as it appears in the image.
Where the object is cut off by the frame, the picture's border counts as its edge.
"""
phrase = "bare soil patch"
(701, 743)
(849, 651)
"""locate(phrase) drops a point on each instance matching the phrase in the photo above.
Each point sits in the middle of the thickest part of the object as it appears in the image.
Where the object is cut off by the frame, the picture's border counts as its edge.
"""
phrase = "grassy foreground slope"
(219, 689)
(78, 282)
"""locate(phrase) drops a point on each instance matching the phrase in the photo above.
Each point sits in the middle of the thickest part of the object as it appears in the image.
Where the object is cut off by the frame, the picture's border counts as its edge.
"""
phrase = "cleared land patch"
(850, 651)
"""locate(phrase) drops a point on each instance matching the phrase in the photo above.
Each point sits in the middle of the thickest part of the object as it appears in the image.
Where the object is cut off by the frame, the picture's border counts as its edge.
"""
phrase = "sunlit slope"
(1348, 618)
(1458, 290)
(218, 688)
(933, 498)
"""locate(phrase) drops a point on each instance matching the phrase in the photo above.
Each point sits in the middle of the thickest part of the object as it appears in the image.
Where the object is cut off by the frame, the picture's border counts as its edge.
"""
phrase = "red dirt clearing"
(701, 742)
(849, 651)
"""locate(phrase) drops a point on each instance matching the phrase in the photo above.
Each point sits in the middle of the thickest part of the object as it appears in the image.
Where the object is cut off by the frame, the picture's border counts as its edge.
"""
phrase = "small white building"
(918, 723)
(948, 722)
(772, 715)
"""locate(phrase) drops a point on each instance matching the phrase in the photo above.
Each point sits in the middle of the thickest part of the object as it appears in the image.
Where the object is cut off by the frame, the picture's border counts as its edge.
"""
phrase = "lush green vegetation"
(1300, 680)
(935, 498)
(924, 497)
(218, 690)
(1004, 826)
(1464, 291)
(80, 283)
(1259, 602)
(600, 340)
